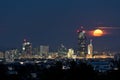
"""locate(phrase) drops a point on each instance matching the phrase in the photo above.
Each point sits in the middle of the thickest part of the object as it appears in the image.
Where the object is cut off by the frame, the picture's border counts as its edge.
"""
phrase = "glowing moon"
(97, 32)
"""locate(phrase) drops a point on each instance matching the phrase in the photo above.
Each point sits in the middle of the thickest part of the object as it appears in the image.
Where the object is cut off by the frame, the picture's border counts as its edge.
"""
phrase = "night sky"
(52, 22)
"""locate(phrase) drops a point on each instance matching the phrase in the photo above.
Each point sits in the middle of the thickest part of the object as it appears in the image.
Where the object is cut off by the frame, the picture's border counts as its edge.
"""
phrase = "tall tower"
(82, 43)
(62, 50)
(90, 48)
(27, 47)
(44, 50)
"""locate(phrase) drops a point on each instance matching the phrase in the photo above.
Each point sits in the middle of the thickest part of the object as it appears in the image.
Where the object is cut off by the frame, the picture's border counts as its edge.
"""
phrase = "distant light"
(83, 31)
(37, 61)
(21, 62)
(78, 31)
(23, 48)
(116, 68)
(28, 43)
(24, 40)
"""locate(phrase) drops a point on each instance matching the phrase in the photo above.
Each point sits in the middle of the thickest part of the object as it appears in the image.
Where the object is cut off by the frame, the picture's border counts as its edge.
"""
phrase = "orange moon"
(98, 32)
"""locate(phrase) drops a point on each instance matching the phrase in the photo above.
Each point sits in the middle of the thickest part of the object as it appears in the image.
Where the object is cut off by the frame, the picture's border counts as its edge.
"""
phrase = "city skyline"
(55, 22)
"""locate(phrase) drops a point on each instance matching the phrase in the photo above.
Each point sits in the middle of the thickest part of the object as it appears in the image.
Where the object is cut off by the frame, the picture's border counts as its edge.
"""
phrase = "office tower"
(1, 54)
(27, 47)
(62, 50)
(82, 42)
(70, 53)
(36, 51)
(44, 50)
(90, 48)
(10, 55)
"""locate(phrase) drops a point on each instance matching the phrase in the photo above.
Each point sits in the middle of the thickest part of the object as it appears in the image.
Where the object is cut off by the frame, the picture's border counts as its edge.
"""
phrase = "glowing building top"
(27, 47)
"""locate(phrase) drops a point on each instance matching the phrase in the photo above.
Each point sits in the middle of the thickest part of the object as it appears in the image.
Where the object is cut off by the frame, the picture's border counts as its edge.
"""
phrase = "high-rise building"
(1, 54)
(44, 50)
(62, 50)
(82, 42)
(70, 53)
(27, 47)
(90, 48)
(36, 51)
(10, 55)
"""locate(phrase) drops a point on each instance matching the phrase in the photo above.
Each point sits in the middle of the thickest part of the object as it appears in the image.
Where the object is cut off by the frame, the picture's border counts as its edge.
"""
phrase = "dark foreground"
(54, 70)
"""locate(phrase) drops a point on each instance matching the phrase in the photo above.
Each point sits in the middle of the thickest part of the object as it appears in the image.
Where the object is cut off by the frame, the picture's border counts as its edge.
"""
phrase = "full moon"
(97, 32)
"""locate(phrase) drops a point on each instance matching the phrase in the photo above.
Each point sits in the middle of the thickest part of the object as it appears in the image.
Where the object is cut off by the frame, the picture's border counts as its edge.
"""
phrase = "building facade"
(82, 43)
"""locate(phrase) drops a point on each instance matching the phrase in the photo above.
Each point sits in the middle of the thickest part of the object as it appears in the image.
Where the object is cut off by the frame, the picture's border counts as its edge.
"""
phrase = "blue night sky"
(52, 22)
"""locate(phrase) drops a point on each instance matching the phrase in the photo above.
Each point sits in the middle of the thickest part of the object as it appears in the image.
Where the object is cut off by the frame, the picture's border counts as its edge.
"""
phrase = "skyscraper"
(44, 50)
(27, 47)
(70, 53)
(82, 43)
(90, 48)
(62, 50)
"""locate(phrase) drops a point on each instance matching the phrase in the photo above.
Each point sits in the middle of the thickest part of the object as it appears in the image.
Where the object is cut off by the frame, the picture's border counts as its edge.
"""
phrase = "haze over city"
(52, 22)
